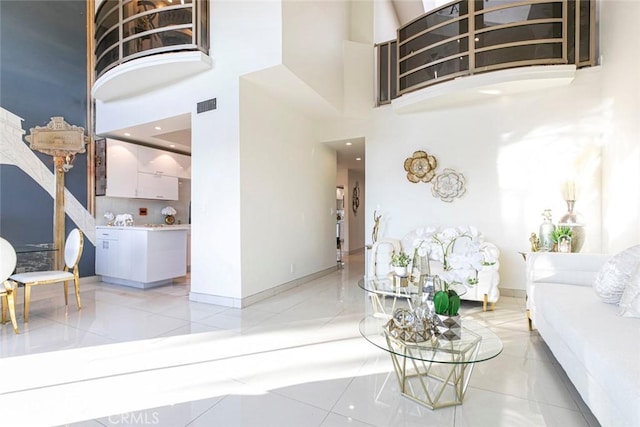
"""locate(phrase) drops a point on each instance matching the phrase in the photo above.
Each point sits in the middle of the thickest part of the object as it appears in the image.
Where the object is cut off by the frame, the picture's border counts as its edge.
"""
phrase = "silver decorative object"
(546, 232)
(448, 185)
(448, 327)
(571, 220)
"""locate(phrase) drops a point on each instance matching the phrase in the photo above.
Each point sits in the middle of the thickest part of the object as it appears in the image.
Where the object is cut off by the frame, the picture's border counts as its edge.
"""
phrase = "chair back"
(73, 248)
(7, 259)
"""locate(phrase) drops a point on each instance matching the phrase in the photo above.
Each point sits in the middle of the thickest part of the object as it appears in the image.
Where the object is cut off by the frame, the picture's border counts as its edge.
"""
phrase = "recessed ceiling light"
(349, 143)
(358, 158)
(127, 134)
(157, 128)
(172, 145)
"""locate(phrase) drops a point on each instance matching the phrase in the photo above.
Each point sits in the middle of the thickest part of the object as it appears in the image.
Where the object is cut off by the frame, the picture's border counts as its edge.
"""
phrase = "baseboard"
(89, 279)
(515, 293)
(252, 299)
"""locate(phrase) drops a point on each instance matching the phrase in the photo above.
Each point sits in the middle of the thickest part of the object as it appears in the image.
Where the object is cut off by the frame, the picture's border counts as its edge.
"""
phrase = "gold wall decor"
(421, 167)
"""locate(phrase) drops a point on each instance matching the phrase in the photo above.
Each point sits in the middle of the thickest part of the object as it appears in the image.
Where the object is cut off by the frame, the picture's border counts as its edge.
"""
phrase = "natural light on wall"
(535, 168)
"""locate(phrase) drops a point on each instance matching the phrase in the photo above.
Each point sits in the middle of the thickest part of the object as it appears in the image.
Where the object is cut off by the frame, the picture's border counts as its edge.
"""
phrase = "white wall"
(620, 49)
(313, 33)
(514, 152)
(385, 21)
(288, 194)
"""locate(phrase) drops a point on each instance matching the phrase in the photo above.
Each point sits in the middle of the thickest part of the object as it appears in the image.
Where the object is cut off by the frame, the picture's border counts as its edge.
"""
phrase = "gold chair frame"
(39, 277)
(7, 290)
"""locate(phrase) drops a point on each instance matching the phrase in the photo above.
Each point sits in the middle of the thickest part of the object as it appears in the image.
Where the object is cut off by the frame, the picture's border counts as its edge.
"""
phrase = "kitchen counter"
(148, 227)
(141, 256)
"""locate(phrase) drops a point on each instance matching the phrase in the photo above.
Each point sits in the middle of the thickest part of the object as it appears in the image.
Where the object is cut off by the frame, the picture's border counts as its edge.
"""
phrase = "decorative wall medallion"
(355, 198)
(448, 185)
(420, 167)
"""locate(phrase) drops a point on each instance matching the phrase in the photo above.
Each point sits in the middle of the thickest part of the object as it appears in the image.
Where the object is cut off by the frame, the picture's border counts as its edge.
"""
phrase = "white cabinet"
(141, 257)
(156, 186)
(135, 171)
(107, 251)
(151, 160)
(184, 166)
(122, 169)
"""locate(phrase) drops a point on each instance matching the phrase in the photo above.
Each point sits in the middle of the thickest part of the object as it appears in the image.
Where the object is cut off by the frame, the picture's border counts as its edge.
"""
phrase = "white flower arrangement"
(460, 265)
(168, 210)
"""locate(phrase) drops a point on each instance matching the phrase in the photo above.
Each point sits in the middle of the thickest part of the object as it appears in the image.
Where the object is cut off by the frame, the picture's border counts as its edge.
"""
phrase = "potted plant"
(561, 238)
(400, 262)
(447, 320)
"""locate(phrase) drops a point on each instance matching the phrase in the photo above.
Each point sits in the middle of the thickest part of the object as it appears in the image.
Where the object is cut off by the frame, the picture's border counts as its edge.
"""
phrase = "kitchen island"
(141, 256)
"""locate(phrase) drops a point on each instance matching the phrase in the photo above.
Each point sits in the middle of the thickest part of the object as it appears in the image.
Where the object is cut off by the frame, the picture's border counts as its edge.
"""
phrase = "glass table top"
(477, 343)
(388, 286)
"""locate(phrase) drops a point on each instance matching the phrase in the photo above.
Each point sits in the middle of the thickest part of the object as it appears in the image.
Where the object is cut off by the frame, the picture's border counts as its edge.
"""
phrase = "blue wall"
(42, 74)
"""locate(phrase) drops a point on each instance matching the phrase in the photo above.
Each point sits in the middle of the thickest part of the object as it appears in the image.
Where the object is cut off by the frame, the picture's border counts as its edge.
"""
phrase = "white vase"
(400, 271)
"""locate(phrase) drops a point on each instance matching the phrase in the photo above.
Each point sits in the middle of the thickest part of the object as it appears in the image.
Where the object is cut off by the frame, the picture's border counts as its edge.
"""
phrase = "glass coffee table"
(436, 372)
(389, 292)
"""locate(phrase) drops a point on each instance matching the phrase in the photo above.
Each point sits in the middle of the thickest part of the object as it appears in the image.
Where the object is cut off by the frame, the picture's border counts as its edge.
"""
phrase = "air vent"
(208, 105)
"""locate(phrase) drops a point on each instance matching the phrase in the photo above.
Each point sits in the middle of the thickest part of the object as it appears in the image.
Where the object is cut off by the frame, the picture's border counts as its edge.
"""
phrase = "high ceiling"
(174, 133)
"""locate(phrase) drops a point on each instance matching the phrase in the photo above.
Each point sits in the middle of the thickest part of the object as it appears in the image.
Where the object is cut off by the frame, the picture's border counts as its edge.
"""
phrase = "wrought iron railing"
(130, 29)
(466, 37)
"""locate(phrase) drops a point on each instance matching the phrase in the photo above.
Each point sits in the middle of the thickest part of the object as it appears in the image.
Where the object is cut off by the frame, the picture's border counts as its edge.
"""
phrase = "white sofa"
(486, 290)
(598, 349)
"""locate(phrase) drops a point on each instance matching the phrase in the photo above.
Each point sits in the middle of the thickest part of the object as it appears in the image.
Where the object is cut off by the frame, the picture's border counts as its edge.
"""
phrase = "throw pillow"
(615, 273)
(630, 301)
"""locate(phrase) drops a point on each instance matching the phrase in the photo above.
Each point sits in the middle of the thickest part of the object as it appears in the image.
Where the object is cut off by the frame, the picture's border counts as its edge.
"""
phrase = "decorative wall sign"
(448, 185)
(421, 167)
(57, 138)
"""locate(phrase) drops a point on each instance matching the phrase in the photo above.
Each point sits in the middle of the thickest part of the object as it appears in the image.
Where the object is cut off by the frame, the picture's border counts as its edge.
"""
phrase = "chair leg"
(3, 307)
(12, 311)
(27, 300)
(484, 302)
(66, 292)
(76, 282)
(493, 306)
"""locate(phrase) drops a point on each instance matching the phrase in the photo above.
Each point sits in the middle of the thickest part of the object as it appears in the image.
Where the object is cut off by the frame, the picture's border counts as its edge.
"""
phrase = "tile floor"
(134, 357)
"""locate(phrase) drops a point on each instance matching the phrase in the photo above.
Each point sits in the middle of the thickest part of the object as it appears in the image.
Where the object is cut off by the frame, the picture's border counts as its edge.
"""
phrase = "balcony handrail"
(428, 53)
(162, 35)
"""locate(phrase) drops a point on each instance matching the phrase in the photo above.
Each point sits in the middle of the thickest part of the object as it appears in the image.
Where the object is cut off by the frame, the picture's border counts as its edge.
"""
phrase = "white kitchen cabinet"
(122, 169)
(142, 257)
(184, 165)
(135, 171)
(107, 251)
(151, 160)
(157, 186)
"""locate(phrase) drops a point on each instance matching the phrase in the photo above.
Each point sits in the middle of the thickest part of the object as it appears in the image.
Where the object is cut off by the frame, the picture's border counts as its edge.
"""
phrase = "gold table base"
(438, 381)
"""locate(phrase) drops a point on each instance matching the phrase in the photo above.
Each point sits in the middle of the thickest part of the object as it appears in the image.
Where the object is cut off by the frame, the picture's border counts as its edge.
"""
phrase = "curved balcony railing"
(466, 37)
(130, 29)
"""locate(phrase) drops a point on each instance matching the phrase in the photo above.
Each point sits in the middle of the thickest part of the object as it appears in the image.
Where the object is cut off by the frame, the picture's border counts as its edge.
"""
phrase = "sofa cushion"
(615, 273)
(630, 301)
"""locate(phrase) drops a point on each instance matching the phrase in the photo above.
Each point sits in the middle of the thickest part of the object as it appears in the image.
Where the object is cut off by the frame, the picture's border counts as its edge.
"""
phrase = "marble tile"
(259, 410)
(295, 359)
(484, 408)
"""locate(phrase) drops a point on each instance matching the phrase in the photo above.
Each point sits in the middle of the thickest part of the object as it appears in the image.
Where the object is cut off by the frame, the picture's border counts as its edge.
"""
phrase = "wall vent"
(208, 105)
